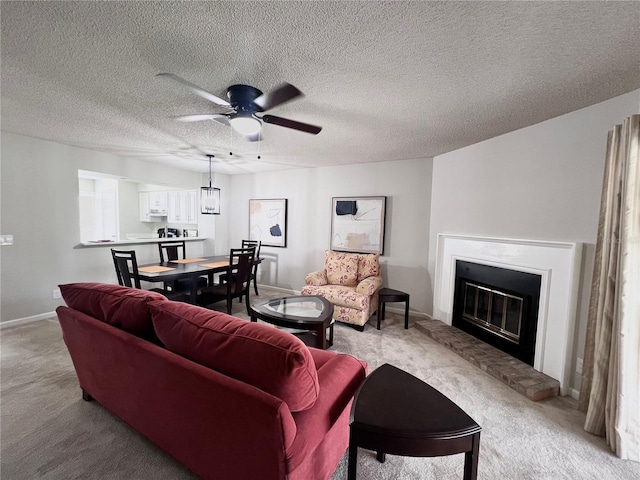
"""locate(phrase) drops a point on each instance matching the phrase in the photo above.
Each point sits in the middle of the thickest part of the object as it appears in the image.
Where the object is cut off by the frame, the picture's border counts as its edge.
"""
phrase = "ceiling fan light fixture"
(245, 125)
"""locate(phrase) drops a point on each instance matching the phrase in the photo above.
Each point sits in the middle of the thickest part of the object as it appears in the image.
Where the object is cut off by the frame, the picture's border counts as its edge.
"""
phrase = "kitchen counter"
(137, 241)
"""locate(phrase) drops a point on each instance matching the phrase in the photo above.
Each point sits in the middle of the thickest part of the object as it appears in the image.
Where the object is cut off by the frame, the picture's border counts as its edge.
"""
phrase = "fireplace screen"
(494, 310)
(498, 306)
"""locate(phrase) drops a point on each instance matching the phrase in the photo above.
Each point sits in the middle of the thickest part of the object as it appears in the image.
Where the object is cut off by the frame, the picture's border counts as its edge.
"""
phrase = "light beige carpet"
(48, 431)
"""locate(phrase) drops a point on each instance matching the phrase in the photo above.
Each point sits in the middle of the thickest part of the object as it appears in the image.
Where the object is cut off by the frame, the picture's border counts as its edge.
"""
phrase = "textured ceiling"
(386, 80)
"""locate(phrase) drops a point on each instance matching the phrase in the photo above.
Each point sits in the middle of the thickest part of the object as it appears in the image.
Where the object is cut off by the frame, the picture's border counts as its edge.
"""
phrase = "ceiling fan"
(244, 105)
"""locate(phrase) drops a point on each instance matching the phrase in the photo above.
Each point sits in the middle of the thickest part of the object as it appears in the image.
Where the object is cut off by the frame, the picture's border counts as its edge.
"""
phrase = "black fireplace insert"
(498, 306)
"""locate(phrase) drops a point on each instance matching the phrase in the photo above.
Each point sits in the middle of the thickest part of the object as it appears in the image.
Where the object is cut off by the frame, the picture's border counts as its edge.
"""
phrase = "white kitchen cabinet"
(192, 207)
(183, 207)
(158, 202)
(153, 206)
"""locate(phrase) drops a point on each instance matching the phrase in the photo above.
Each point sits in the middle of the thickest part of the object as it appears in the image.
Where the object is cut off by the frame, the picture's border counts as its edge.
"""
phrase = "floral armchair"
(350, 282)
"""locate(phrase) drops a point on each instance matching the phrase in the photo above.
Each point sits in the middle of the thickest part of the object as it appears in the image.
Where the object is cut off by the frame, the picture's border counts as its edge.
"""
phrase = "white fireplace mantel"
(558, 263)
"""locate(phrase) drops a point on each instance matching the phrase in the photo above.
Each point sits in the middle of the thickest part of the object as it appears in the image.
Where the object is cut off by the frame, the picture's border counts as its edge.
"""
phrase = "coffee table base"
(311, 339)
(309, 315)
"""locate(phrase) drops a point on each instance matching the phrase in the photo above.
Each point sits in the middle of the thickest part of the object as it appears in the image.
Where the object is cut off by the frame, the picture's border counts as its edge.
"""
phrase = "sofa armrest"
(339, 378)
(316, 278)
(369, 285)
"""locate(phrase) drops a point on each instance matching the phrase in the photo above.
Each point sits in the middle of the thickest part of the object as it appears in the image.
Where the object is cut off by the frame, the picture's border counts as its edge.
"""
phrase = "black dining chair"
(238, 283)
(174, 250)
(127, 273)
(254, 271)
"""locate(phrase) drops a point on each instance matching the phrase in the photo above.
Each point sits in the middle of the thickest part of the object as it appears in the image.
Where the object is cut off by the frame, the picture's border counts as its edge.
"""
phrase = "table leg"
(381, 456)
(406, 314)
(380, 310)
(471, 459)
(193, 295)
(353, 455)
(321, 337)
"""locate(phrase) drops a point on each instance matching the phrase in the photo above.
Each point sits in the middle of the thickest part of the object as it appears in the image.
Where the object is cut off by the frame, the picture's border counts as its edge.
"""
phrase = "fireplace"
(557, 264)
(499, 306)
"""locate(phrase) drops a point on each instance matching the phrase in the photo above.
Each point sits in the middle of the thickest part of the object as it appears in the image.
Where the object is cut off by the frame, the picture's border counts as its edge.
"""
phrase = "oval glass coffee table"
(310, 313)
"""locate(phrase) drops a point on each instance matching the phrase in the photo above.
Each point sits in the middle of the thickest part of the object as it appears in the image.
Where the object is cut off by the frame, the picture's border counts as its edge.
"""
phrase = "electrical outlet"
(6, 239)
(56, 293)
(579, 366)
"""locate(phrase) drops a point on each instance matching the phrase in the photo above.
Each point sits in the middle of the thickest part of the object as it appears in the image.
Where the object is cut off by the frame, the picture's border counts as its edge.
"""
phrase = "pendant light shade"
(210, 197)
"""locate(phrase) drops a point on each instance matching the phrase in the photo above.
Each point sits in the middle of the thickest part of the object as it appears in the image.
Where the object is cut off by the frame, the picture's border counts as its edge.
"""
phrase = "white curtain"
(610, 390)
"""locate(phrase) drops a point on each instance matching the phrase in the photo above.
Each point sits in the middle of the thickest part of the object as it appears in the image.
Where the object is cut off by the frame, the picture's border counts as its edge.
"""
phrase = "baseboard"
(279, 289)
(44, 316)
(575, 394)
(411, 312)
(25, 320)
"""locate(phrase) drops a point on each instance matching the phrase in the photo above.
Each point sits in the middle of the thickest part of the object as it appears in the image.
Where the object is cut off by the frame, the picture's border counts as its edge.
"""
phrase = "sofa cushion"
(270, 359)
(368, 266)
(341, 268)
(123, 307)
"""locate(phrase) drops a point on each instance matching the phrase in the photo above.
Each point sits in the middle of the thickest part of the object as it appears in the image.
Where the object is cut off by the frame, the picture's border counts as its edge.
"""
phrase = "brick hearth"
(510, 371)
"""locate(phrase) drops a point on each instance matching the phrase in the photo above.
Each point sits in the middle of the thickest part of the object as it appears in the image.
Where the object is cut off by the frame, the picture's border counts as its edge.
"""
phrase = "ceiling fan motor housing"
(241, 98)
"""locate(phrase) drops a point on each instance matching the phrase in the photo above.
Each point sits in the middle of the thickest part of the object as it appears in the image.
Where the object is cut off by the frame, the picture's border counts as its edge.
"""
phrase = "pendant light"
(210, 196)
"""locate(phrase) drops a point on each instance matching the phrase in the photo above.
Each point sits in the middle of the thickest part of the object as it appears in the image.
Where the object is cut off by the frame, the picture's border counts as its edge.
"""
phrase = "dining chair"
(127, 273)
(254, 272)
(238, 280)
(174, 250)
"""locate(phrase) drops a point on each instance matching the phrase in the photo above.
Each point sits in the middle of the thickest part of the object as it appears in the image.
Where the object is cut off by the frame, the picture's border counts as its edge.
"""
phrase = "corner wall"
(405, 183)
(541, 182)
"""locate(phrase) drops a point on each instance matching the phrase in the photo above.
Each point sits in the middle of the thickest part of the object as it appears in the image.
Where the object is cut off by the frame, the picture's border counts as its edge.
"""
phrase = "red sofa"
(228, 398)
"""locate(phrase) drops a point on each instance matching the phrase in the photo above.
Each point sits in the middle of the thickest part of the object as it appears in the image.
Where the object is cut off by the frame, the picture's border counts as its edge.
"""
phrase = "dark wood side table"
(390, 295)
(397, 413)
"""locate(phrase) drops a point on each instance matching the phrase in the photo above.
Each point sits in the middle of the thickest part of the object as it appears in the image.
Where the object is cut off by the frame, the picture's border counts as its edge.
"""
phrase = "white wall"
(44, 220)
(406, 184)
(541, 182)
(39, 207)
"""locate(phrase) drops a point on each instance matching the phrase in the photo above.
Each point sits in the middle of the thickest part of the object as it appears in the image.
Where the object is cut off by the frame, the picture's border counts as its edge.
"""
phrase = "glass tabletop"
(308, 307)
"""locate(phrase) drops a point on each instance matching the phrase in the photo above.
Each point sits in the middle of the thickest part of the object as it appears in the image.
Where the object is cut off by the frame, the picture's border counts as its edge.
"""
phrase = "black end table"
(390, 295)
(397, 413)
(311, 313)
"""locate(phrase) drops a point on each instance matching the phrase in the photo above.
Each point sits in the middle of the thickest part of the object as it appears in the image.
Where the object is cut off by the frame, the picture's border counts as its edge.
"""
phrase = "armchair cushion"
(341, 268)
(368, 266)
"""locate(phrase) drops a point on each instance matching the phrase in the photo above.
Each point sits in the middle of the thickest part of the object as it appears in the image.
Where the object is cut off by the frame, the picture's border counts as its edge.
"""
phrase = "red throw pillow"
(263, 356)
(123, 307)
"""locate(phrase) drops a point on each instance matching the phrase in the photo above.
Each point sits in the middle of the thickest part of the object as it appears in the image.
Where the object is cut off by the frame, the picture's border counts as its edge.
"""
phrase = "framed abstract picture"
(357, 224)
(268, 221)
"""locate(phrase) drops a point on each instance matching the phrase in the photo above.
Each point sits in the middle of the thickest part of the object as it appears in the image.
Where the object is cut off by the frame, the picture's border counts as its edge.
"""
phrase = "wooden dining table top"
(162, 271)
(184, 268)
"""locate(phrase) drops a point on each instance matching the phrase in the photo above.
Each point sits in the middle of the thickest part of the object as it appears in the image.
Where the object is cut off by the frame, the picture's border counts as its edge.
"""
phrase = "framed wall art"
(357, 224)
(268, 221)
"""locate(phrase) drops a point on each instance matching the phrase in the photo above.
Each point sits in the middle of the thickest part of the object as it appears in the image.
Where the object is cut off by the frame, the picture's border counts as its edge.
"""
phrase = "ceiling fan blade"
(197, 90)
(285, 122)
(201, 117)
(280, 95)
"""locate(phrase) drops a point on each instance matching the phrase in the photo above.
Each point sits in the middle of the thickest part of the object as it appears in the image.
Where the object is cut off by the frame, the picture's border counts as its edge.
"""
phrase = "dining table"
(182, 268)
